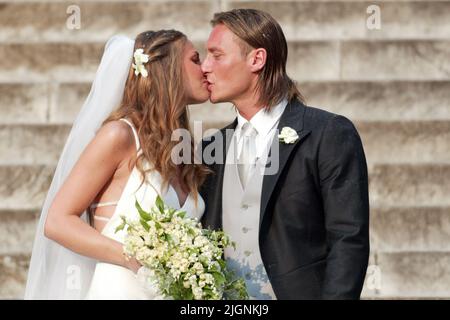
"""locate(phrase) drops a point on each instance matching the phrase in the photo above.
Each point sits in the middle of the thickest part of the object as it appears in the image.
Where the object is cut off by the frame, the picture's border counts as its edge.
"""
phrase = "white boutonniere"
(140, 58)
(288, 135)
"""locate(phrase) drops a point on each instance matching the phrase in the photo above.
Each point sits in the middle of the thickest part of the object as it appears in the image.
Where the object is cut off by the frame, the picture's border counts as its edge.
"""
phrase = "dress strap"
(104, 204)
(100, 218)
(136, 137)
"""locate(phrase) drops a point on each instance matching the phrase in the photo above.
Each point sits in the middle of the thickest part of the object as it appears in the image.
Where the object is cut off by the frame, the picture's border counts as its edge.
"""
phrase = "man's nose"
(205, 66)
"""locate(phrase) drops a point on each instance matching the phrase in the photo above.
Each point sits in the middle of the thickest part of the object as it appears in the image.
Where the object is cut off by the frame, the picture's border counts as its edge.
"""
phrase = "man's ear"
(257, 59)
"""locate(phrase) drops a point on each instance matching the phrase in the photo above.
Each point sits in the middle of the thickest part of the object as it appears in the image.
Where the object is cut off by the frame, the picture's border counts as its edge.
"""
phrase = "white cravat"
(246, 159)
(265, 126)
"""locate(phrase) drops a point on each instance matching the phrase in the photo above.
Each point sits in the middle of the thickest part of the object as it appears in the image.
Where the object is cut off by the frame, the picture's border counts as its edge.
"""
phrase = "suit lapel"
(292, 117)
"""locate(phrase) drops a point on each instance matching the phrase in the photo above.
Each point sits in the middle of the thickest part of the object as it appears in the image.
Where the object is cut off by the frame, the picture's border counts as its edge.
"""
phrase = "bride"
(119, 151)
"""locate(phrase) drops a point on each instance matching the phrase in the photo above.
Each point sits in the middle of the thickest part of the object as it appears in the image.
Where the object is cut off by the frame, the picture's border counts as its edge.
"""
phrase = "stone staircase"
(393, 83)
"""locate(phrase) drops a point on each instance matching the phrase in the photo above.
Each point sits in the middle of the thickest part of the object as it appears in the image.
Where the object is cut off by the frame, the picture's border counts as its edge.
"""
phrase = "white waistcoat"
(241, 213)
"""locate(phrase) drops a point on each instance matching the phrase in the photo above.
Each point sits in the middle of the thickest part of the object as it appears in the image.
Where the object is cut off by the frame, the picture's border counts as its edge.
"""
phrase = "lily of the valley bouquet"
(184, 260)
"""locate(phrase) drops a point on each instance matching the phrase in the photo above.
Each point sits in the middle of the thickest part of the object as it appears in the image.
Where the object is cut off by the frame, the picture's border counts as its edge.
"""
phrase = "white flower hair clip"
(140, 58)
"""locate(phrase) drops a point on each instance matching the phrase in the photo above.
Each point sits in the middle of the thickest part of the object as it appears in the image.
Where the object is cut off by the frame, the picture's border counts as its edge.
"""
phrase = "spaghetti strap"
(104, 204)
(100, 218)
(136, 137)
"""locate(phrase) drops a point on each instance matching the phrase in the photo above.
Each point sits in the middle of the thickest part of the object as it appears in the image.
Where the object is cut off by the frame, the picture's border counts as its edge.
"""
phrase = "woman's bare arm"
(97, 164)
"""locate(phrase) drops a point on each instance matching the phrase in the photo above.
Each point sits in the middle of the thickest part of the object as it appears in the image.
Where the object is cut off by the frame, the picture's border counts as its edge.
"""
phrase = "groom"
(297, 205)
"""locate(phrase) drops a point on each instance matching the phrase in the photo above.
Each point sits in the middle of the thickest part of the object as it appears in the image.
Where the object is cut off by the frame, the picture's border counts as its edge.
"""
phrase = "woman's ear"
(257, 59)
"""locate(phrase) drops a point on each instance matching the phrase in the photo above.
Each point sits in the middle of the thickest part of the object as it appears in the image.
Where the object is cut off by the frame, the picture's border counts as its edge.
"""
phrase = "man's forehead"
(219, 36)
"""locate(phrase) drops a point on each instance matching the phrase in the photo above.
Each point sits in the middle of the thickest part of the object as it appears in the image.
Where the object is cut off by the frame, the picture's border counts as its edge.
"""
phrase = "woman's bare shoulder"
(115, 136)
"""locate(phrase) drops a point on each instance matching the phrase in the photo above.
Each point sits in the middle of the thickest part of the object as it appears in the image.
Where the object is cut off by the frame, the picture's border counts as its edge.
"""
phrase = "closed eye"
(196, 59)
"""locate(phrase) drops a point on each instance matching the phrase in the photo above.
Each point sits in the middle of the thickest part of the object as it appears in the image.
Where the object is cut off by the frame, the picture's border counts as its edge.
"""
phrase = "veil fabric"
(56, 272)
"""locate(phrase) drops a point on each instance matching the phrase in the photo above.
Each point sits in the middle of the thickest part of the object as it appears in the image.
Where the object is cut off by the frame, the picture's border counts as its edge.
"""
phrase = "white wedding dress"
(115, 282)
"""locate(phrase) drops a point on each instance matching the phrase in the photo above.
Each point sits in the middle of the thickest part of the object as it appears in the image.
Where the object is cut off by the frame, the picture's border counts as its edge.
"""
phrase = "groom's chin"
(214, 99)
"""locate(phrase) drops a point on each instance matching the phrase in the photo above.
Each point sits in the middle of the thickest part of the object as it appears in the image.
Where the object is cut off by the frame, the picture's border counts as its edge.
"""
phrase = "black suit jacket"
(314, 217)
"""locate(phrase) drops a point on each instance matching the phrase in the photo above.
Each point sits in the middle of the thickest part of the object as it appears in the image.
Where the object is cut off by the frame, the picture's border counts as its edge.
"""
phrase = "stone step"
(49, 21)
(381, 101)
(412, 274)
(406, 142)
(417, 229)
(47, 62)
(359, 101)
(389, 60)
(17, 231)
(391, 185)
(308, 61)
(13, 275)
(384, 142)
(24, 187)
(395, 60)
(309, 20)
(348, 19)
(24, 102)
(410, 185)
(32, 144)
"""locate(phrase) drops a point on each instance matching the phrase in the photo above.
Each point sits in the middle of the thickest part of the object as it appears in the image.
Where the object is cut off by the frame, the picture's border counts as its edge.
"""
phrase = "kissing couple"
(301, 231)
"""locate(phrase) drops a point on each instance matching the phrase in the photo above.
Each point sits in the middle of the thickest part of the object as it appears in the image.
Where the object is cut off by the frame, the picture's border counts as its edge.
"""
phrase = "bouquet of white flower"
(184, 260)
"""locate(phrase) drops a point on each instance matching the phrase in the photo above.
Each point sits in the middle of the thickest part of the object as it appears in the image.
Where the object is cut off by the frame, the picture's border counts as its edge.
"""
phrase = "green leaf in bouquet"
(182, 292)
(194, 251)
(171, 213)
(145, 225)
(214, 267)
(219, 278)
(203, 260)
(222, 263)
(119, 228)
(168, 237)
(122, 225)
(182, 214)
(208, 292)
(144, 215)
(191, 232)
(236, 290)
(189, 295)
(158, 225)
(159, 204)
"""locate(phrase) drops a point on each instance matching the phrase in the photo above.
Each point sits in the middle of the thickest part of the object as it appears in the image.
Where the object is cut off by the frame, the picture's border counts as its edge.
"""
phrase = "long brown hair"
(258, 29)
(156, 105)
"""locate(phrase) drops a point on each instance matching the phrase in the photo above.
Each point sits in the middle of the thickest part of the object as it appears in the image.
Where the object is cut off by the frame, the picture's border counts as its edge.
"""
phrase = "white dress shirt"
(265, 123)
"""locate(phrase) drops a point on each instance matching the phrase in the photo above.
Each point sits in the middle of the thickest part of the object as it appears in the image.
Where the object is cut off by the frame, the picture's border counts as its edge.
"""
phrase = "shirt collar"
(264, 121)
